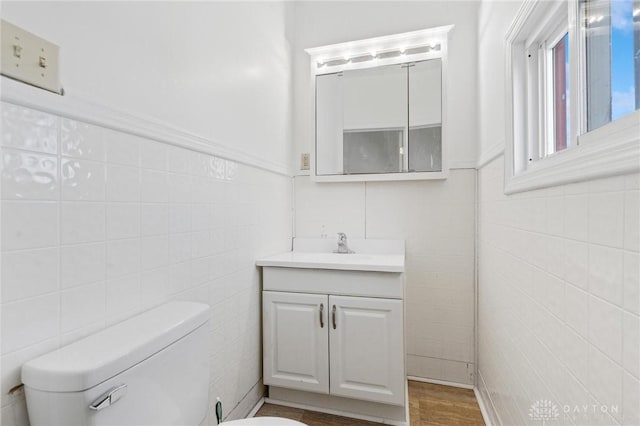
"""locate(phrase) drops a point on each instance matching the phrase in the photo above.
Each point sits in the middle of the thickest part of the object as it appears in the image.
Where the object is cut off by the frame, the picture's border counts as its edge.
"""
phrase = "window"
(573, 77)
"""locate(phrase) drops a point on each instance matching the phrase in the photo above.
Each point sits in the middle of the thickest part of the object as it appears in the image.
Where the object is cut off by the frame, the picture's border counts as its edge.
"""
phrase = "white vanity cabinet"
(341, 345)
(333, 329)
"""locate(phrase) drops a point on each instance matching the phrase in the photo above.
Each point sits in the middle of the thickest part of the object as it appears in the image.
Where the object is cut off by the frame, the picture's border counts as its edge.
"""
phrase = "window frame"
(612, 149)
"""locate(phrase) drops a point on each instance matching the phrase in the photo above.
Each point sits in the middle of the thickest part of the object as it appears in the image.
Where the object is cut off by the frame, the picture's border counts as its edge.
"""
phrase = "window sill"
(613, 149)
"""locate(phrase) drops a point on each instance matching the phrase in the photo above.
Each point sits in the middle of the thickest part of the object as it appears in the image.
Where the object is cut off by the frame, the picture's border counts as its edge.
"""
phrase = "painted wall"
(224, 77)
(436, 218)
(99, 224)
(558, 278)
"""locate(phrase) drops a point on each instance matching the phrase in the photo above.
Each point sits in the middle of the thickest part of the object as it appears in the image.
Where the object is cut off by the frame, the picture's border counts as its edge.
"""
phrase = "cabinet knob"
(321, 315)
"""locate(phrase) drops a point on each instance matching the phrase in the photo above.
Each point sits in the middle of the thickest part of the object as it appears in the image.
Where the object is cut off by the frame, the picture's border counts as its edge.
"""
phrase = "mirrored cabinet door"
(380, 120)
(425, 116)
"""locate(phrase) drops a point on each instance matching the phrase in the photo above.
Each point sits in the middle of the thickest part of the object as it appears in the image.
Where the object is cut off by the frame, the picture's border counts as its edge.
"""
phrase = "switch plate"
(304, 161)
(29, 58)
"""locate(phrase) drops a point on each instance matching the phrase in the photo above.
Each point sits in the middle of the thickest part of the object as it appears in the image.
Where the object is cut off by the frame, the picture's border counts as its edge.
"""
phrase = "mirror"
(380, 120)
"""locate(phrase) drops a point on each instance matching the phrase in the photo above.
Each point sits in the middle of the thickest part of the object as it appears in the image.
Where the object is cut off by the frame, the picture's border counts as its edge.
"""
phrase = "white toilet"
(152, 370)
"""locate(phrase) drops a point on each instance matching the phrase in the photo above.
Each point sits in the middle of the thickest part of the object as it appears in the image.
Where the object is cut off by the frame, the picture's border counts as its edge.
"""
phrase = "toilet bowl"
(263, 421)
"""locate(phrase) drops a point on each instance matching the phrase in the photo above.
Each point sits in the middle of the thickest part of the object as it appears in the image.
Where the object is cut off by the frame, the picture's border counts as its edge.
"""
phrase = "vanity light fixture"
(387, 50)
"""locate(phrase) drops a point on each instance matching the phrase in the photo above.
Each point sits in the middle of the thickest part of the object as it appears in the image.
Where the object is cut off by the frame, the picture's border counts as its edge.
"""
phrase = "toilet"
(152, 369)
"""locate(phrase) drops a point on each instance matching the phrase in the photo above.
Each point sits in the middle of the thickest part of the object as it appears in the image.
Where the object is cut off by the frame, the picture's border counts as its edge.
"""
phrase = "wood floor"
(432, 405)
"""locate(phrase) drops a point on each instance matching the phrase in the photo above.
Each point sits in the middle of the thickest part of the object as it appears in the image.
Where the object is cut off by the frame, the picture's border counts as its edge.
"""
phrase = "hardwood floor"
(429, 405)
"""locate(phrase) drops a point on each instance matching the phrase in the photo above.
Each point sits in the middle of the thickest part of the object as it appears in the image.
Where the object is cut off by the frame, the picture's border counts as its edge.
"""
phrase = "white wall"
(218, 70)
(436, 218)
(559, 277)
(98, 224)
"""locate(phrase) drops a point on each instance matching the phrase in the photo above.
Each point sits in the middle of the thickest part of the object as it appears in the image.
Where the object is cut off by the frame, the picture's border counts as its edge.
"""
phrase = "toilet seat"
(263, 421)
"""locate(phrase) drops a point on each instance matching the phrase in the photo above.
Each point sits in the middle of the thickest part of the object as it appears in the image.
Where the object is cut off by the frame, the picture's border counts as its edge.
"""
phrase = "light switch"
(304, 161)
(29, 58)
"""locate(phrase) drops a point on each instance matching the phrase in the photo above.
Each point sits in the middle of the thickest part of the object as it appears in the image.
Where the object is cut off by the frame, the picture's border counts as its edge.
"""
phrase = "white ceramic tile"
(29, 129)
(179, 248)
(80, 333)
(82, 306)
(12, 363)
(29, 273)
(576, 255)
(555, 215)
(123, 183)
(632, 181)
(605, 328)
(201, 217)
(29, 176)
(123, 220)
(606, 273)
(82, 140)
(631, 344)
(606, 218)
(29, 321)
(575, 217)
(122, 148)
(82, 222)
(632, 282)
(605, 379)
(216, 168)
(154, 286)
(123, 295)
(631, 396)
(153, 155)
(82, 264)
(154, 252)
(315, 208)
(153, 186)
(82, 180)
(180, 190)
(179, 218)
(179, 277)
(29, 224)
(577, 309)
(180, 160)
(154, 219)
(123, 257)
(632, 220)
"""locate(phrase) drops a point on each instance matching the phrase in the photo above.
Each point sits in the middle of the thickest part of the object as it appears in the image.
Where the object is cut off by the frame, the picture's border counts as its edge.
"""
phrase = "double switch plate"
(29, 58)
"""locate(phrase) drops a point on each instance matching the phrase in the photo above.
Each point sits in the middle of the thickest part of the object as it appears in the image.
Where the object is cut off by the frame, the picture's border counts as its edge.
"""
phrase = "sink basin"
(317, 253)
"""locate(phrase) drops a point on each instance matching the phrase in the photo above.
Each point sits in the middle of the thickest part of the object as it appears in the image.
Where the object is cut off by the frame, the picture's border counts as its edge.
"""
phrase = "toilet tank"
(152, 369)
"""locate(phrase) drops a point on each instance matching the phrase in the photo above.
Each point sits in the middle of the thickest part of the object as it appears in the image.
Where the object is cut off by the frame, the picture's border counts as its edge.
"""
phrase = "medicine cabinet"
(380, 108)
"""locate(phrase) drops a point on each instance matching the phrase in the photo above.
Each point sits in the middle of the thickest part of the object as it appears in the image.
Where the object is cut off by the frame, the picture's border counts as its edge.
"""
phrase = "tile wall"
(98, 225)
(437, 221)
(559, 300)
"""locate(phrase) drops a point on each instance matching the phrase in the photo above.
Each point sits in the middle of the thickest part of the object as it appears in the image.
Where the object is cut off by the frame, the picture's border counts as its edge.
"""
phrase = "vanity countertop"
(371, 255)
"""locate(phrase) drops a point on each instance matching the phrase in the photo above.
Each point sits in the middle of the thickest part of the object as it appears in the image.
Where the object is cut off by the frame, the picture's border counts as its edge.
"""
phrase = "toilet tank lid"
(100, 356)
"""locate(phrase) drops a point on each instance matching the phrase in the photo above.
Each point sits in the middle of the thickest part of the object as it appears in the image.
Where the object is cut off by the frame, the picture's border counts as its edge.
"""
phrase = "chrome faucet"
(342, 244)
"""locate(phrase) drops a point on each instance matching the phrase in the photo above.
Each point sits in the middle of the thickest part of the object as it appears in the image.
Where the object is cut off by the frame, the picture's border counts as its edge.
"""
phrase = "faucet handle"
(342, 237)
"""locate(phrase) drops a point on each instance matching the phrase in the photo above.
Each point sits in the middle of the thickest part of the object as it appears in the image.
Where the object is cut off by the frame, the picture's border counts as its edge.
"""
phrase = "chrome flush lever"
(109, 397)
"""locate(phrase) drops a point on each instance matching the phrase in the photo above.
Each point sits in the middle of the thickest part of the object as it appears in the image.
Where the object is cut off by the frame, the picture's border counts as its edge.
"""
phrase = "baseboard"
(487, 408)
(440, 382)
(335, 412)
(257, 408)
(247, 404)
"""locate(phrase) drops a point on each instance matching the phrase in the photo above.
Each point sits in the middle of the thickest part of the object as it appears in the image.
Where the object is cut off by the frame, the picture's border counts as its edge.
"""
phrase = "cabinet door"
(367, 349)
(296, 340)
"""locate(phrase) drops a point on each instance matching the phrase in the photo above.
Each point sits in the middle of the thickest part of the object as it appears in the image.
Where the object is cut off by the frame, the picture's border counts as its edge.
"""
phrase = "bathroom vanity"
(333, 328)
